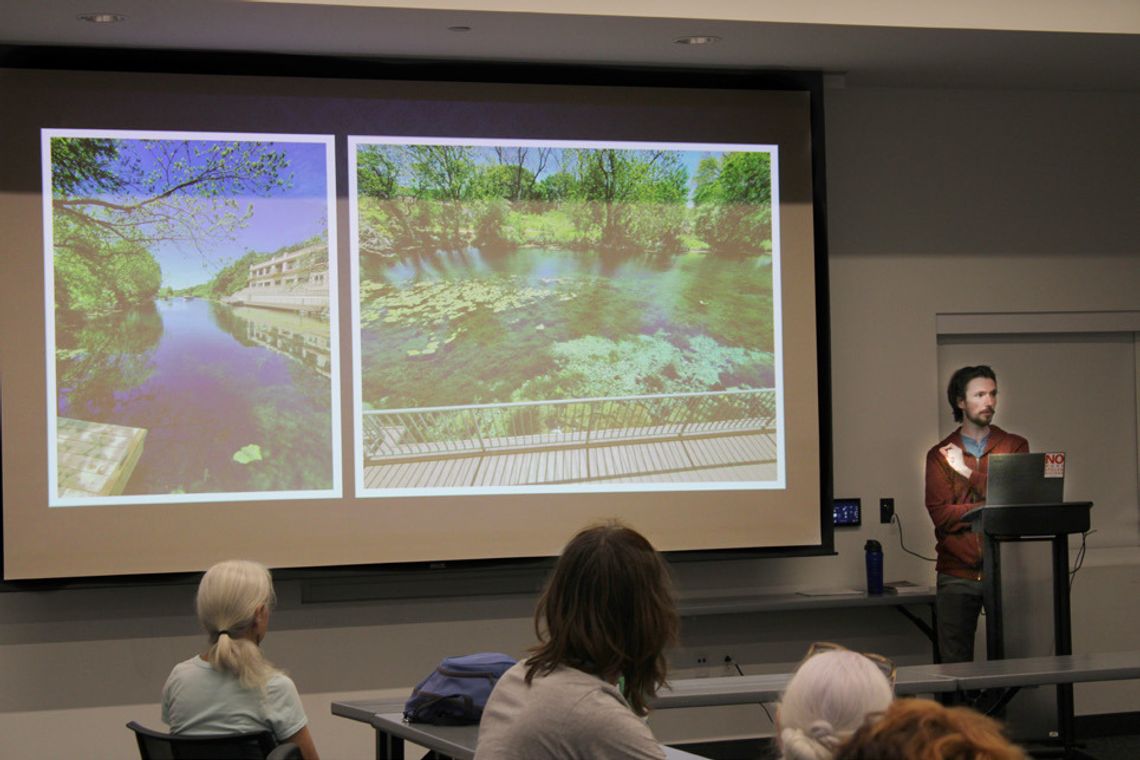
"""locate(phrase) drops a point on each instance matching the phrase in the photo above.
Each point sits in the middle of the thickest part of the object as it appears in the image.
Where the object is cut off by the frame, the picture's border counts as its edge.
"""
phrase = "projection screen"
(338, 322)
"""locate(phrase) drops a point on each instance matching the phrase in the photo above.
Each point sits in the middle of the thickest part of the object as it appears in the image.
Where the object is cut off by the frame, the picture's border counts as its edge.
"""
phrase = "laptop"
(1020, 479)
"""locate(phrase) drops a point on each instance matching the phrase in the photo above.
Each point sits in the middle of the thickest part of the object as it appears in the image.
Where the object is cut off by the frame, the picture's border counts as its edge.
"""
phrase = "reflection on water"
(288, 333)
(463, 327)
(533, 262)
(97, 357)
(206, 381)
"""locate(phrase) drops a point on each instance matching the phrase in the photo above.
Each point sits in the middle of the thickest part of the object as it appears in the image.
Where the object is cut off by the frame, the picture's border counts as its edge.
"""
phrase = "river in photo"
(207, 382)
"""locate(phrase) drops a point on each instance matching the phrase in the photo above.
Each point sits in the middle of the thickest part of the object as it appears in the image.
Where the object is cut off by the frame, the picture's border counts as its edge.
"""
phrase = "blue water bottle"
(874, 552)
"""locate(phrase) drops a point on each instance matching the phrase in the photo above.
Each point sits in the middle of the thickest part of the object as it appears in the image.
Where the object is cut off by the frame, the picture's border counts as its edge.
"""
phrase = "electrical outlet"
(886, 510)
(701, 666)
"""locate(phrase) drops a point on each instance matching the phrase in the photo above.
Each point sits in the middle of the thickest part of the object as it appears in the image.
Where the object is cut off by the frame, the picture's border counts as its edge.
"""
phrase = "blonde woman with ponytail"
(827, 699)
(231, 688)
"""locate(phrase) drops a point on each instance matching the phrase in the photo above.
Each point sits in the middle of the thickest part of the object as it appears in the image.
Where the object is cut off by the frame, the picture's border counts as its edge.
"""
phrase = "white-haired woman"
(828, 698)
(231, 688)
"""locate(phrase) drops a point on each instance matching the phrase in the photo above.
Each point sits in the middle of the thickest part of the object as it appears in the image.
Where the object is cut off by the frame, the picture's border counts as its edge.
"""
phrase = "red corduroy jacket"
(949, 496)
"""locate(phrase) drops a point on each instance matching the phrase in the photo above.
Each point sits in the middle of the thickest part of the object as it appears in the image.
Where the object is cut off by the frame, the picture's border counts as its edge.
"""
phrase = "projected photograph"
(191, 316)
(564, 316)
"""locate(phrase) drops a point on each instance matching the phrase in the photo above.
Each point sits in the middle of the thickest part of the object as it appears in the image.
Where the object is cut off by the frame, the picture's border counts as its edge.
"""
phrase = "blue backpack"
(456, 692)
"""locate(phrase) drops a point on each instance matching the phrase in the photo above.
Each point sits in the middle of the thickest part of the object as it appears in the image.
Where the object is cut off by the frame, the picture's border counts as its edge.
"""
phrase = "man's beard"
(983, 418)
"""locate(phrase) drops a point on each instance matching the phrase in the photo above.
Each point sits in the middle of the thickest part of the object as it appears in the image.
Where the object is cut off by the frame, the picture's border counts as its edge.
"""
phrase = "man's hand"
(957, 461)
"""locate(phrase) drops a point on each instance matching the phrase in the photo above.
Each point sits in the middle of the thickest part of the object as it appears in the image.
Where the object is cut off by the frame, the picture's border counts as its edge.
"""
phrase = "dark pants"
(958, 603)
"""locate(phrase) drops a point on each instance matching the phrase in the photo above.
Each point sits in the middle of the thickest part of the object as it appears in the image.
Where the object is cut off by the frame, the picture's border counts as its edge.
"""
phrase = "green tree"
(113, 201)
(622, 185)
(707, 181)
(387, 204)
(83, 163)
(500, 181)
(522, 178)
(95, 276)
(498, 188)
(747, 178)
(378, 169)
(445, 175)
(557, 187)
(733, 201)
(442, 172)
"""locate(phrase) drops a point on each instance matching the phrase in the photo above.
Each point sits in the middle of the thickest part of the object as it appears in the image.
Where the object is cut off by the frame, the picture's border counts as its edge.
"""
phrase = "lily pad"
(248, 453)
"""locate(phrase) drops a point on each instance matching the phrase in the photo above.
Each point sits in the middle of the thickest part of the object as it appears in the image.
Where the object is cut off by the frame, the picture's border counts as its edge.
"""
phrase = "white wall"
(940, 201)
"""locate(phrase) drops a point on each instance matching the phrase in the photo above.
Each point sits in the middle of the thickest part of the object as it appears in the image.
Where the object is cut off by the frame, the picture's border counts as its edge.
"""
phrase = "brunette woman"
(603, 624)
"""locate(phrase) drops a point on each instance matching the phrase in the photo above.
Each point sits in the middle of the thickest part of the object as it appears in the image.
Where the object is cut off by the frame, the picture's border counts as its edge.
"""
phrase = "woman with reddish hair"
(919, 729)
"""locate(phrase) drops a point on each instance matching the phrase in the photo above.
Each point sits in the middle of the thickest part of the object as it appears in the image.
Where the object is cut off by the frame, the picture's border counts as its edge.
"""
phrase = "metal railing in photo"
(537, 425)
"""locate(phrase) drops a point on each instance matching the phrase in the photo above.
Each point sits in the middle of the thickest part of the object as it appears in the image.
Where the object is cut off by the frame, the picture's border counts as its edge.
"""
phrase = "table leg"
(1062, 636)
(388, 747)
(991, 590)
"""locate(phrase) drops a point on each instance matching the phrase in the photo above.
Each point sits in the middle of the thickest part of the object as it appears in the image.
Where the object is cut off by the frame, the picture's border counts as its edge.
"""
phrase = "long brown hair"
(919, 729)
(608, 609)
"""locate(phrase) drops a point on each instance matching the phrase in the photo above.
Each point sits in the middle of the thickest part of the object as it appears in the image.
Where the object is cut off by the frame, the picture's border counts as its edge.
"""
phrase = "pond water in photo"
(207, 382)
(534, 324)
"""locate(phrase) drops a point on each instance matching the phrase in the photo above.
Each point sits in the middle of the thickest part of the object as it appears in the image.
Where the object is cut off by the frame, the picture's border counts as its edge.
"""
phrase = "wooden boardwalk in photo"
(95, 458)
(725, 457)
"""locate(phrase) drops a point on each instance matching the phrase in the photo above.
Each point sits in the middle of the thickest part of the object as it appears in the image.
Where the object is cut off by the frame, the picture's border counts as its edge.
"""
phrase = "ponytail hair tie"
(227, 633)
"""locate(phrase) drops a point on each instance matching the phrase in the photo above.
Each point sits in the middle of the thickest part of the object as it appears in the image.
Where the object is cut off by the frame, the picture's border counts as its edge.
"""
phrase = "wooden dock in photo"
(95, 458)
(726, 457)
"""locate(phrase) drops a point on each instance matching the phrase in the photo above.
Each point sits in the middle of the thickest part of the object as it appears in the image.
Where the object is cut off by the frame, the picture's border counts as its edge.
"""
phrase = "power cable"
(729, 661)
(898, 521)
(1080, 560)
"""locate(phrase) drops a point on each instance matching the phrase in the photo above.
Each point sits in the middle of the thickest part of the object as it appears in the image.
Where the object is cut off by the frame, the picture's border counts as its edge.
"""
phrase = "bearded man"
(956, 479)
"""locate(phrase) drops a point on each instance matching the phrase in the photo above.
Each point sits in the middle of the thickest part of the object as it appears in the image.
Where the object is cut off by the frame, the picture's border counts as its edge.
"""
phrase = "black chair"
(155, 745)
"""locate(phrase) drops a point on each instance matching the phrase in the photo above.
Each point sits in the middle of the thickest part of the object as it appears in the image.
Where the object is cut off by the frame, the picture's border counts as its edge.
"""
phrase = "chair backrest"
(155, 745)
(285, 751)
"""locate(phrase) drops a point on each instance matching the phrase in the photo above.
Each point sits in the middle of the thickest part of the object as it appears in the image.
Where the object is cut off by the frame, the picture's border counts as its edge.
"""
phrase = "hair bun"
(823, 732)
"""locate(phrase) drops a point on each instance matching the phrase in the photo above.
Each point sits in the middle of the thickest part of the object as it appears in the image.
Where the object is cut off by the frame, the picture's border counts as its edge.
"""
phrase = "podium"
(1031, 522)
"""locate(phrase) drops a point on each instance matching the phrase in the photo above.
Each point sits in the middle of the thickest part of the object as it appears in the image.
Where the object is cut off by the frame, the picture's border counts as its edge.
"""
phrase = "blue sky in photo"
(288, 216)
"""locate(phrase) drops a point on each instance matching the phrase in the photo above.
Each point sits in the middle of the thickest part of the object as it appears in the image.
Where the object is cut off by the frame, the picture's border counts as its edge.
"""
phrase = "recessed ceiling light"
(697, 39)
(459, 29)
(102, 18)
